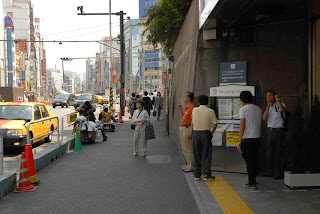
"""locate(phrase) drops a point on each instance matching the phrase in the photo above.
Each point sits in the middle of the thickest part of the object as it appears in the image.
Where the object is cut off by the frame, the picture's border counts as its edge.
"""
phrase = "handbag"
(133, 126)
(150, 132)
(154, 113)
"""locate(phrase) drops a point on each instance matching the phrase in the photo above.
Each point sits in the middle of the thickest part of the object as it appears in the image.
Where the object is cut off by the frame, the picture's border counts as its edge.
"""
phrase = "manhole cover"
(158, 159)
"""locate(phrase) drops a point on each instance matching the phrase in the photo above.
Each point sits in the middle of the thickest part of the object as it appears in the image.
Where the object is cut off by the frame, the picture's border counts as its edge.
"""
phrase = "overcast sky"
(59, 17)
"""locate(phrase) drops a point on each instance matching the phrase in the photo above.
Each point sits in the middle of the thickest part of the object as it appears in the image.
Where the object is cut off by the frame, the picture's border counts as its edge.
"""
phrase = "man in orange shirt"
(185, 126)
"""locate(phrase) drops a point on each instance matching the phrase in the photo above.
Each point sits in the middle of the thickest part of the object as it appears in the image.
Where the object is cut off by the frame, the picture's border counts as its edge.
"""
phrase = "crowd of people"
(198, 125)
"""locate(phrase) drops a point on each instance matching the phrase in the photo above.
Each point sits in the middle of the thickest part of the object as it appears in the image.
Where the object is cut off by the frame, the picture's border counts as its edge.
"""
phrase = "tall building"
(19, 11)
(132, 65)
(152, 64)
(54, 79)
(108, 73)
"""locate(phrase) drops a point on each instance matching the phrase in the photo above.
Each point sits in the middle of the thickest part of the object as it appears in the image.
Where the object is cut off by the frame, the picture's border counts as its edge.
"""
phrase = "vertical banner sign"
(164, 76)
(99, 76)
(23, 75)
(37, 27)
(114, 71)
(9, 49)
(111, 98)
(10, 79)
(45, 68)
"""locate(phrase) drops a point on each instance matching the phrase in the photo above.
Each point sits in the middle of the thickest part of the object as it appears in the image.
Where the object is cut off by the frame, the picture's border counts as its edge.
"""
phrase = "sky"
(59, 21)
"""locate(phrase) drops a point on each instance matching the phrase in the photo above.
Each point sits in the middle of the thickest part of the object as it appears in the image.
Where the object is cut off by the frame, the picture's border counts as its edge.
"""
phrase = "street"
(106, 178)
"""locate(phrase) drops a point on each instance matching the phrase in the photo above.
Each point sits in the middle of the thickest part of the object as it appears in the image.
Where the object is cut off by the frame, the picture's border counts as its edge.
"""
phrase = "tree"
(164, 22)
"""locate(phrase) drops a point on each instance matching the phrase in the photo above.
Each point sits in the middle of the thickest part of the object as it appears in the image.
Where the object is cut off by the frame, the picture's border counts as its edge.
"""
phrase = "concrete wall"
(277, 60)
(185, 54)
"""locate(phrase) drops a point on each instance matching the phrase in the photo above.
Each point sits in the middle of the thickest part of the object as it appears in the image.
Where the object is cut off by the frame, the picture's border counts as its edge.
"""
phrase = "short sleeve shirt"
(274, 117)
(187, 115)
(202, 118)
(253, 119)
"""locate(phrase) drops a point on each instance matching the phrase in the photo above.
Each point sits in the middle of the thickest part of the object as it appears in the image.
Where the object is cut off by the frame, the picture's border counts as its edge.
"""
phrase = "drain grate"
(158, 159)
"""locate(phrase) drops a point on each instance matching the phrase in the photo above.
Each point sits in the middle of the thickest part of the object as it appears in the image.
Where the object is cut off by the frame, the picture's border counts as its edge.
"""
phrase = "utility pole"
(122, 79)
(110, 43)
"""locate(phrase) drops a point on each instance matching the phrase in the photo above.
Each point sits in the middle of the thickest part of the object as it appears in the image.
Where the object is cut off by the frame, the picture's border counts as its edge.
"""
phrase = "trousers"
(275, 153)
(249, 151)
(202, 151)
(186, 146)
(139, 136)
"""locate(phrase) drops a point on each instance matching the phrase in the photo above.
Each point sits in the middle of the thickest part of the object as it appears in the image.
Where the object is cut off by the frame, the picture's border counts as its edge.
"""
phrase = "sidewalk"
(107, 178)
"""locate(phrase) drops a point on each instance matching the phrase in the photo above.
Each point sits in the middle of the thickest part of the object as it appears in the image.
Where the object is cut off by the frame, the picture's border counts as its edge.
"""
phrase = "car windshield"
(16, 112)
(85, 97)
(62, 96)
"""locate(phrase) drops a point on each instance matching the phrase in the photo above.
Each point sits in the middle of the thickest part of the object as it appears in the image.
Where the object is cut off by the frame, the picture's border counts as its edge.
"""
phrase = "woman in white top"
(250, 136)
(140, 132)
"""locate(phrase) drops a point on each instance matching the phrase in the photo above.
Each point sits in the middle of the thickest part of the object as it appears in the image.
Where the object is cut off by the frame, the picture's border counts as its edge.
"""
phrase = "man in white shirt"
(250, 136)
(140, 132)
(275, 146)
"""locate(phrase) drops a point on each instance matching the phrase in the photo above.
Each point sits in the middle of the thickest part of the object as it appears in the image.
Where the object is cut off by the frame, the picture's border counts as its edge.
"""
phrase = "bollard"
(1, 153)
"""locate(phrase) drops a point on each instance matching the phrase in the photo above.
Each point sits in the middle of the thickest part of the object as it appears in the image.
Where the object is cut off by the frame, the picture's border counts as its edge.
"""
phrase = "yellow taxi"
(15, 115)
(101, 100)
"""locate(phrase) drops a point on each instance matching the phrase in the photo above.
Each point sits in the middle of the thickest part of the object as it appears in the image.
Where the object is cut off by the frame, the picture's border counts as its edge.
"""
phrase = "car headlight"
(14, 132)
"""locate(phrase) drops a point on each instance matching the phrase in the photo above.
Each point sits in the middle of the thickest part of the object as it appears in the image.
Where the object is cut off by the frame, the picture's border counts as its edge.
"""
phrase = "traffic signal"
(66, 58)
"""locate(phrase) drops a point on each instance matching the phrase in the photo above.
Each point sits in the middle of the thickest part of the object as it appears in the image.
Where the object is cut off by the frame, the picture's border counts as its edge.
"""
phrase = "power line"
(79, 29)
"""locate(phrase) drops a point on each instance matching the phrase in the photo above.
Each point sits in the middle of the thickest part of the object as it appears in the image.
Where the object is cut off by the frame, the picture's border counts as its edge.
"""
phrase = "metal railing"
(1, 149)
(50, 132)
(69, 124)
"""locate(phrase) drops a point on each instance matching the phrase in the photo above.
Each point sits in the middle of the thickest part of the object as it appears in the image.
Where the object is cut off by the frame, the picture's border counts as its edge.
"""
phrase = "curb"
(8, 180)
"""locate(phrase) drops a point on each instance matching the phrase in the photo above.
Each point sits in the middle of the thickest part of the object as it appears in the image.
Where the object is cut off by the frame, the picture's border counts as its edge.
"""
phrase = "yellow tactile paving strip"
(226, 196)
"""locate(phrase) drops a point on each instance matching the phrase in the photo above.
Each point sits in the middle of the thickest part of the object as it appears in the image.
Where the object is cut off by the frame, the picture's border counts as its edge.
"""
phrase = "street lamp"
(122, 77)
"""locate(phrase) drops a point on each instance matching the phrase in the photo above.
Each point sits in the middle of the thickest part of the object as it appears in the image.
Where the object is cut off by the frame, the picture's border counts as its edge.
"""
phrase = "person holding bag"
(139, 120)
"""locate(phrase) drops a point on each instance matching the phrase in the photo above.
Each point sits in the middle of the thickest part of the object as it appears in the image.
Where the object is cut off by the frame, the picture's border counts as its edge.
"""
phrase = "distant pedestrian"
(140, 132)
(202, 118)
(132, 104)
(147, 102)
(250, 136)
(158, 105)
(185, 128)
(275, 145)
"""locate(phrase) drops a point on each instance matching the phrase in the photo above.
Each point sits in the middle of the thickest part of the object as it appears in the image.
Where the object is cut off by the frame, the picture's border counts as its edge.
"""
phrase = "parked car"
(101, 99)
(14, 117)
(64, 100)
(86, 97)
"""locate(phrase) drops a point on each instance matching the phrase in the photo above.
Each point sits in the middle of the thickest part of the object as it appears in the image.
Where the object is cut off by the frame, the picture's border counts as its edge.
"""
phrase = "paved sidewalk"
(107, 178)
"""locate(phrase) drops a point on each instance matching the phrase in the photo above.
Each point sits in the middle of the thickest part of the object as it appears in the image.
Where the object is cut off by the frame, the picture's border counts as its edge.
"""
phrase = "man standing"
(202, 118)
(185, 127)
(275, 115)
(158, 104)
(132, 104)
(250, 136)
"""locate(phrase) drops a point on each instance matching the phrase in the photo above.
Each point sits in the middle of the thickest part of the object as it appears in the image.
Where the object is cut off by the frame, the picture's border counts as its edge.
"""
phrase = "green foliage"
(165, 21)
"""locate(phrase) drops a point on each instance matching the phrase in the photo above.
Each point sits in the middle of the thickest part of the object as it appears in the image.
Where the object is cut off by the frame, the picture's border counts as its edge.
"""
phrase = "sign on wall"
(8, 23)
(230, 90)
(233, 73)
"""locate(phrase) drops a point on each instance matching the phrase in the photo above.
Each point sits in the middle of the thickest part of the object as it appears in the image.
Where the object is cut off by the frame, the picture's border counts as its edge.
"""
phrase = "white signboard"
(225, 109)
(19, 98)
(217, 139)
(230, 90)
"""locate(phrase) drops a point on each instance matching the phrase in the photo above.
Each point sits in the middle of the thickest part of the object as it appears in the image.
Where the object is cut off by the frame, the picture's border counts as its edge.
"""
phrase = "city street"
(106, 178)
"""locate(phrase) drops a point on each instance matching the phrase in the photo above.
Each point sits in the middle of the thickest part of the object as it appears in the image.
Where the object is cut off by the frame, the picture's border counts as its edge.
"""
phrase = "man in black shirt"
(147, 102)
